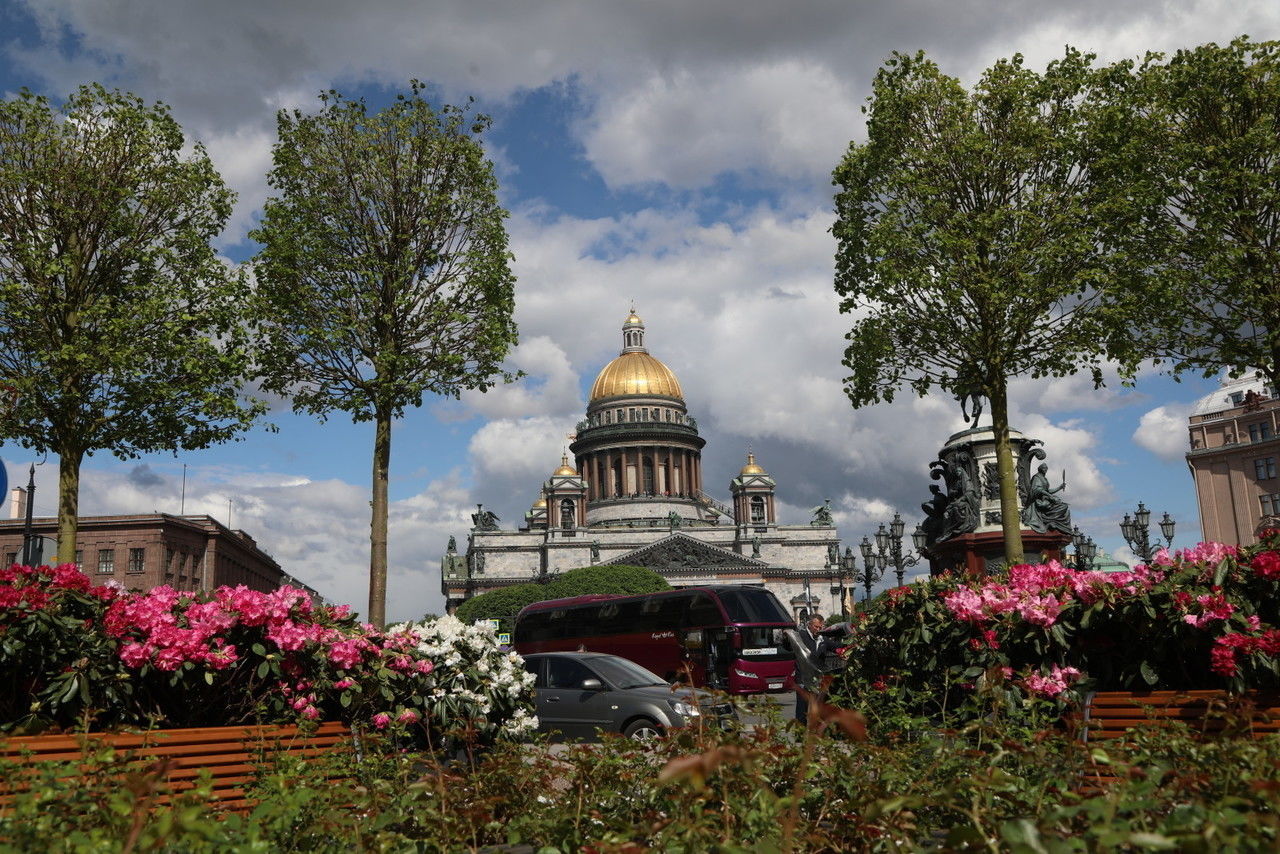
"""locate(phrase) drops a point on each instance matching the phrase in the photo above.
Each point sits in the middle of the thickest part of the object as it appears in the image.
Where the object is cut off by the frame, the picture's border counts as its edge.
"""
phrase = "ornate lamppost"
(1137, 532)
(847, 569)
(1086, 549)
(872, 567)
(889, 547)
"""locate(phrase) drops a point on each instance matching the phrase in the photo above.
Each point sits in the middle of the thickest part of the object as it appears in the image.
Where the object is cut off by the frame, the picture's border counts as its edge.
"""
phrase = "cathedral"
(633, 495)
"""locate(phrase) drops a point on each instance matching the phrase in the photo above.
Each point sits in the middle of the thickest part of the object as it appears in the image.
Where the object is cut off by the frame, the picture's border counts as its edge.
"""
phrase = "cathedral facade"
(633, 495)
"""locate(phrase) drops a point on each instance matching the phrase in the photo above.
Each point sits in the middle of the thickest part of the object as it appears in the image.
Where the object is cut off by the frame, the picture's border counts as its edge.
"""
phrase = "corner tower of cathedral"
(638, 449)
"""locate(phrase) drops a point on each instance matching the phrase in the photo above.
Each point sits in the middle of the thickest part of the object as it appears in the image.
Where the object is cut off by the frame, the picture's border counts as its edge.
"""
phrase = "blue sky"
(674, 154)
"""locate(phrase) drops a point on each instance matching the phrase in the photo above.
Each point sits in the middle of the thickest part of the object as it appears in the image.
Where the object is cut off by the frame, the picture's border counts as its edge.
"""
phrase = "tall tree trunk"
(68, 502)
(378, 525)
(1010, 518)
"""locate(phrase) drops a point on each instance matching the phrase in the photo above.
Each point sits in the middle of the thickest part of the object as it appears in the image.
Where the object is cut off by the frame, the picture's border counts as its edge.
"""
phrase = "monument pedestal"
(975, 554)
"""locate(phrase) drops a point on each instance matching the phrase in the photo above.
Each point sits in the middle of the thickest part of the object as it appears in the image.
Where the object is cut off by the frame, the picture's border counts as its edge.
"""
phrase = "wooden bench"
(1109, 715)
(232, 755)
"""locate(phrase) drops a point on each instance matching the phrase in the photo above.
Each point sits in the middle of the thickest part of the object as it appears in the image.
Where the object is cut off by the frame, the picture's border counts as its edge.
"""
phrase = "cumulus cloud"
(786, 120)
(1163, 431)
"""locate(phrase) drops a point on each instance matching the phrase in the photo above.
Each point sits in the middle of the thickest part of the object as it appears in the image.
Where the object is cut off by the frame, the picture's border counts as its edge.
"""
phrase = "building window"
(657, 415)
(106, 561)
(608, 418)
(668, 414)
(80, 559)
(757, 508)
(1259, 432)
(1237, 397)
(137, 559)
(1271, 504)
(1264, 468)
(568, 515)
(10, 558)
(631, 414)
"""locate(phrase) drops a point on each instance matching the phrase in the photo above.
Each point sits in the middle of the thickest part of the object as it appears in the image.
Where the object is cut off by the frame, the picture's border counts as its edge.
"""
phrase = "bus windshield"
(752, 606)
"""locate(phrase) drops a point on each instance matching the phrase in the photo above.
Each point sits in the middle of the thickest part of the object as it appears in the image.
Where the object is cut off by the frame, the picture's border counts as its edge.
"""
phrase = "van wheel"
(642, 729)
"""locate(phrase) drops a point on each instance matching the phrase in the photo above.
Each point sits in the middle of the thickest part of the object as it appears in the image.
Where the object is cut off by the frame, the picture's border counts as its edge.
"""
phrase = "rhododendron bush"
(94, 657)
(1207, 617)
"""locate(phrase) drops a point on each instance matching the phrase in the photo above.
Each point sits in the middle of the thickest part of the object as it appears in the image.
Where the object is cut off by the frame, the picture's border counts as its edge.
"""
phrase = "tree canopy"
(123, 330)
(384, 272)
(974, 238)
(503, 604)
(1206, 164)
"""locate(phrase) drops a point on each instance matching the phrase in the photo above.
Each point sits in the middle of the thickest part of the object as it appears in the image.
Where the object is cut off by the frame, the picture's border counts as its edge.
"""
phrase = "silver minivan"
(580, 694)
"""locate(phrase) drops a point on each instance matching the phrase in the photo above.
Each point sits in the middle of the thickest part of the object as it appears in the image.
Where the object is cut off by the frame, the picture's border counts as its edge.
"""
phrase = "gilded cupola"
(635, 372)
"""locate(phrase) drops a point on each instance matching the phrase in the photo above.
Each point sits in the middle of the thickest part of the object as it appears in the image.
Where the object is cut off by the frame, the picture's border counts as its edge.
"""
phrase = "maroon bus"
(728, 637)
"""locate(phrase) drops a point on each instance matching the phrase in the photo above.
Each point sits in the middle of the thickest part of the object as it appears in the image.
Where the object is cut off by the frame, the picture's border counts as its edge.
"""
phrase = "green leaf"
(345, 699)
(1148, 673)
(208, 677)
(263, 668)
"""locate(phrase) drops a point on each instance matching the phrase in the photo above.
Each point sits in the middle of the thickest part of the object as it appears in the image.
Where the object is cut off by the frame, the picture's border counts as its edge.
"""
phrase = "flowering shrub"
(83, 655)
(1206, 617)
(477, 685)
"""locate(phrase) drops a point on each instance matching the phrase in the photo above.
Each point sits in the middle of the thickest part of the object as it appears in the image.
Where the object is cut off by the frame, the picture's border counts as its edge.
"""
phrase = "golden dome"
(635, 373)
(751, 467)
(565, 469)
(541, 503)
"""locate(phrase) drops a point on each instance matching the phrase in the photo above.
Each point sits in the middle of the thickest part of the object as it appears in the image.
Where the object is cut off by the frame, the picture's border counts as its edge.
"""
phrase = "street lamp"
(847, 569)
(872, 566)
(1137, 532)
(889, 547)
(1086, 549)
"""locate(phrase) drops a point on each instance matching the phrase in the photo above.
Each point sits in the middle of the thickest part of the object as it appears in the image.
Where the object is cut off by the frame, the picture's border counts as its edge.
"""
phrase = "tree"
(1208, 166)
(384, 271)
(505, 602)
(973, 239)
(122, 329)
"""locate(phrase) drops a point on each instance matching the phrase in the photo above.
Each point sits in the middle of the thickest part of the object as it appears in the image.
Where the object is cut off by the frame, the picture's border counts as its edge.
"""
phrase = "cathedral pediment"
(681, 551)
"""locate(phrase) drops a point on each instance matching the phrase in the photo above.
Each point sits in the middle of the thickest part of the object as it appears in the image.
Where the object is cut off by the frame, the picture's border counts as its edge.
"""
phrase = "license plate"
(764, 650)
(773, 685)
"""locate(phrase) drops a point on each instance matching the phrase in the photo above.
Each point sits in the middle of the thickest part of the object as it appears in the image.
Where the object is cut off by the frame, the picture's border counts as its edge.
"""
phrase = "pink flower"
(311, 713)
(1266, 564)
(1052, 685)
(408, 716)
(1214, 607)
(381, 720)
(343, 684)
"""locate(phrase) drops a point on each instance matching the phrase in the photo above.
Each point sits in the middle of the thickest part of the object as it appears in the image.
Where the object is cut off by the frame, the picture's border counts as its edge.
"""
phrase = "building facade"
(633, 495)
(145, 551)
(1233, 456)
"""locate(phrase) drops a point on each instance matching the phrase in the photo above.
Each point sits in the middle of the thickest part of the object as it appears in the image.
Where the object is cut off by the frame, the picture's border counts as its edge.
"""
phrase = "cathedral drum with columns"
(633, 496)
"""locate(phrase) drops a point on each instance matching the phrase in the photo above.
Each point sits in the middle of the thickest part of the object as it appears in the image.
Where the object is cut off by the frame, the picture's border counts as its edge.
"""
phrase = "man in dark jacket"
(815, 645)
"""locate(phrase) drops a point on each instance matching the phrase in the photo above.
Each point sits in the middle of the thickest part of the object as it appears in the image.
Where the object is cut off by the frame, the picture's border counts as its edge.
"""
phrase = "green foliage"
(384, 273)
(920, 652)
(123, 330)
(1204, 162)
(503, 604)
(617, 580)
(973, 238)
(992, 789)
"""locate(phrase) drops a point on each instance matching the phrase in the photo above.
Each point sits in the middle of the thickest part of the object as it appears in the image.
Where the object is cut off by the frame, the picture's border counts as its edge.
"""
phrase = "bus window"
(662, 613)
(753, 606)
(703, 611)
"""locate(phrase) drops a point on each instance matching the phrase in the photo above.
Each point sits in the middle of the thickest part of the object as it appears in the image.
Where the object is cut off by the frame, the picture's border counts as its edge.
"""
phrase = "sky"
(669, 154)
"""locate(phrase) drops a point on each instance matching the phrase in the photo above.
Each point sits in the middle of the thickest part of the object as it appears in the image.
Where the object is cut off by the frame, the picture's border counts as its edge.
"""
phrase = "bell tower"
(752, 491)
